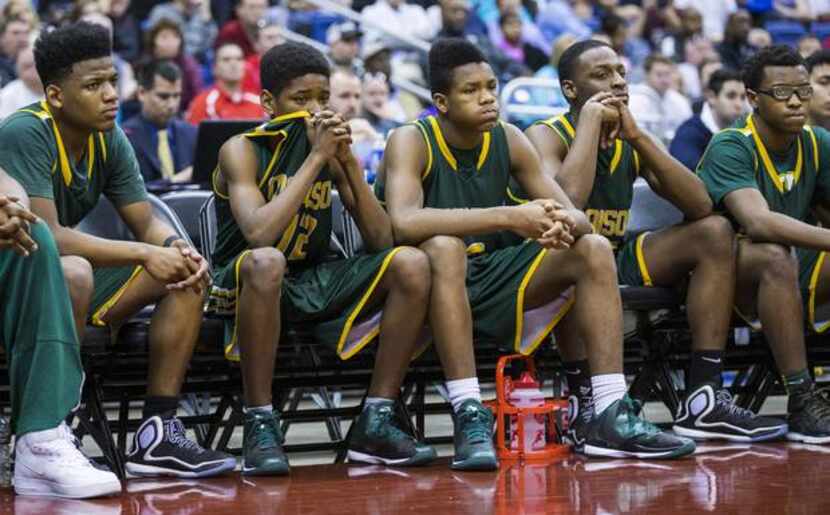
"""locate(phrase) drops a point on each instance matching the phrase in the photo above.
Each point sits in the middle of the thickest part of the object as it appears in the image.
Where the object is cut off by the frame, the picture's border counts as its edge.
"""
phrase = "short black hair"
(446, 55)
(611, 23)
(288, 61)
(775, 55)
(56, 52)
(721, 77)
(817, 58)
(567, 63)
(164, 68)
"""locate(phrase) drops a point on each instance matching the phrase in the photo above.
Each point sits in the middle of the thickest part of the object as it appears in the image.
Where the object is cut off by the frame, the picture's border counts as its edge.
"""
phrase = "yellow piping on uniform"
(229, 354)
(771, 171)
(615, 161)
(641, 260)
(428, 168)
(97, 317)
(442, 144)
(812, 301)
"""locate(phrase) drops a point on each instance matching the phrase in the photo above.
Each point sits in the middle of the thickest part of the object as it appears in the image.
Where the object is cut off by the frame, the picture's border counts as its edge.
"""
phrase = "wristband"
(171, 239)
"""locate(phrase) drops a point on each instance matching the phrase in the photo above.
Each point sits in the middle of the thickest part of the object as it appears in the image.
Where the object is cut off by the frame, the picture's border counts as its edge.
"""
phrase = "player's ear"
(569, 90)
(440, 102)
(268, 102)
(752, 98)
(54, 96)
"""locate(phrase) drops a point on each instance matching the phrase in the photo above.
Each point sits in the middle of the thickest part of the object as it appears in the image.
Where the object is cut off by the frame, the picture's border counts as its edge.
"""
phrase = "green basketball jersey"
(610, 201)
(463, 179)
(736, 158)
(32, 151)
(282, 146)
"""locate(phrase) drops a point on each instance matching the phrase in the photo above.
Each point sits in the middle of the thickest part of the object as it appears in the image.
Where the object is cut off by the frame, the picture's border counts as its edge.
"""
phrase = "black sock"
(165, 407)
(578, 376)
(706, 368)
(799, 382)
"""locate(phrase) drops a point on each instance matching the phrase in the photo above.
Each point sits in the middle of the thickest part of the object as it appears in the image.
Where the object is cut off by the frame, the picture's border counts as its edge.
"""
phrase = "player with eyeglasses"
(771, 174)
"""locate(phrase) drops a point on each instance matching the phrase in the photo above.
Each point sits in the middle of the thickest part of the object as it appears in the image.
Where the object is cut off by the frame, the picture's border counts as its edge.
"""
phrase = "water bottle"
(375, 157)
(526, 394)
(5, 453)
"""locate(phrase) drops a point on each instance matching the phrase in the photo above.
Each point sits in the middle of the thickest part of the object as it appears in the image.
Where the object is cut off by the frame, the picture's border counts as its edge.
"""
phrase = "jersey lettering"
(609, 222)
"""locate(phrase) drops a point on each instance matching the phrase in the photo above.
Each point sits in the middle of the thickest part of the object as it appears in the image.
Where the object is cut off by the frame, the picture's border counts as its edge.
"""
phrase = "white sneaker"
(49, 463)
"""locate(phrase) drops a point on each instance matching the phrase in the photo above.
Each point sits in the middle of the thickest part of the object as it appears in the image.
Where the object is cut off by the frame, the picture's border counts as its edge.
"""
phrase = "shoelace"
(382, 424)
(724, 399)
(65, 448)
(474, 425)
(820, 409)
(638, 424)
(267, 433)
(176, 435)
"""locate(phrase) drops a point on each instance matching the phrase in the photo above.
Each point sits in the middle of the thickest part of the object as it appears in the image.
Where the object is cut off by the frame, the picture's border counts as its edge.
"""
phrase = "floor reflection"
(775, 478)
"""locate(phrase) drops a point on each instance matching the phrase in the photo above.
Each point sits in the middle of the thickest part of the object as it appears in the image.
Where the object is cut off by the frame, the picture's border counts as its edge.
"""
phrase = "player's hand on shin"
(15, 227)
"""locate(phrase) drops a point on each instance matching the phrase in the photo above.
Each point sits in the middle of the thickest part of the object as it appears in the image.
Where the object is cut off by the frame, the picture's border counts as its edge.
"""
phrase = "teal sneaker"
(580, 413)
(262, 453)
(474, 448)
(619, 433)
(375, 439)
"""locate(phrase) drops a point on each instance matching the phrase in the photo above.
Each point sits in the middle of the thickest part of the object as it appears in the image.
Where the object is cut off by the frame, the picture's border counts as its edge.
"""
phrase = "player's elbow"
(402, 233)
(700, 209)
(257, 237)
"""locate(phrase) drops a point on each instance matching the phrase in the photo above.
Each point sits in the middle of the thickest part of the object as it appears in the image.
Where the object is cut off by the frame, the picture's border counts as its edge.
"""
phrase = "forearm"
(775, 227)
(263, 225)
(579, 169)
(157, 233)
(12, 188)
(415, 226)
(372, 220)
(582, 226)
(677, 184)
(99, 252)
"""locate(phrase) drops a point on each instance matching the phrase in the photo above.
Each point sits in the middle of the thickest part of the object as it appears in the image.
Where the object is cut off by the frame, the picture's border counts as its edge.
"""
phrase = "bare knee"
(409, 271)
(596, 253)
(714, 237)
(447, 254)
(263, 269)
(77, 272)
(776, 263)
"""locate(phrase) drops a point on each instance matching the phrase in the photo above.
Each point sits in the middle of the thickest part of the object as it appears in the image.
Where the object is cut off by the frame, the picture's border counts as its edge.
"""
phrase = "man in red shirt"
(268, 36)
(226, 100)
(243, 29)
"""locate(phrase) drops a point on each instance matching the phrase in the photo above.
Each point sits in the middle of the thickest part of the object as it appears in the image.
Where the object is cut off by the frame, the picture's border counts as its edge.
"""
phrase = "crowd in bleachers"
(670, 47)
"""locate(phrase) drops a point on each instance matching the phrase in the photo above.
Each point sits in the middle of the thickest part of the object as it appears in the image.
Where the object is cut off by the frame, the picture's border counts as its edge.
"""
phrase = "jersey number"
(306, 224)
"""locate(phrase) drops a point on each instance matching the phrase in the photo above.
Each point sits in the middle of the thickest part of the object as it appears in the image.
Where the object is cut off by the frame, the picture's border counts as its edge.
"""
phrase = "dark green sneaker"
(375, 439)
(474, 448)
(262, 453)
(580, 413)
(809, 416)
(619, 433)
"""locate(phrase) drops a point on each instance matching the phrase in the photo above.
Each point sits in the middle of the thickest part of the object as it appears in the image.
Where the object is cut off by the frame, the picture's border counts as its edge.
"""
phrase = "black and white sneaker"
(709, 414)
(809, 416)
(580, 413)
(161, 448)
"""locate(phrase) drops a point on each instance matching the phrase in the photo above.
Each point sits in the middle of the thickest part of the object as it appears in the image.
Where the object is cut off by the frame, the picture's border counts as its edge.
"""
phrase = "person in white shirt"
(397, 17)
(656, 106)
(24, 90)
(714, 14)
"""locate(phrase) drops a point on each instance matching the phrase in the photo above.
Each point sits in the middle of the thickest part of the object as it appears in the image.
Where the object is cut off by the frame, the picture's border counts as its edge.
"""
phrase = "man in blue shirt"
(725, 102)
(164, 145)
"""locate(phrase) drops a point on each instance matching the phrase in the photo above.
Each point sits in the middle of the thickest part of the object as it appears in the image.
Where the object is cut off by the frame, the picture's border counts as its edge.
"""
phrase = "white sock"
(608, 388)
(376, 401)
(268, 408)
(461, 390)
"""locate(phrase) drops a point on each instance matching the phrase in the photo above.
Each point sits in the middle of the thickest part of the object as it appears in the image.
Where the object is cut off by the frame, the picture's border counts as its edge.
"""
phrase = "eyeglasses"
(786, 92)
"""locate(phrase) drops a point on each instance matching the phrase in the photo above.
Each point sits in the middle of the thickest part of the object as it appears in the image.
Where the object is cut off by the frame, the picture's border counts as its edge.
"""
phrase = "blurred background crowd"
(182, 62)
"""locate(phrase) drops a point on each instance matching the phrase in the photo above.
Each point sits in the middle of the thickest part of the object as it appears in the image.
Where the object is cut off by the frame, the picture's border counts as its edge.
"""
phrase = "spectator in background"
(242, 31)
(715, 14)
(25, 89)
(735, 49)
(165, 41)
(164, 145)
(380, 110)
(557, 18)
(818, 110)
(126, 31)
(690, 30)
(551, 70)
(759, 38)
(226, 100)
(346, 101)
(655, 105)
(725, 103)
(344, 40)
(195, 21)
(808, 45)
(513, 45)
(455, 10)
(14, 37)
(398, 17)
(269, 35)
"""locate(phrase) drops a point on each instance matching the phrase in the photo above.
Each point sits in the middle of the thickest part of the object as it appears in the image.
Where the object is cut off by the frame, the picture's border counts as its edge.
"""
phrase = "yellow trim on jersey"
(90, 159)
(551, 122)
(636, 162)
(768, 166)
(811, 305)
(568, 127)
(615, 161)
(273, 160)
(63, 157)
(229, 348)
(512, 196)
(520, 304)
(101, 312)
(445, 149)
(428, 168)
(815, 146)
(475, 248)
(641, 260)
(103, 144)
(213, 184)
(347, 327)
(260, 129)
